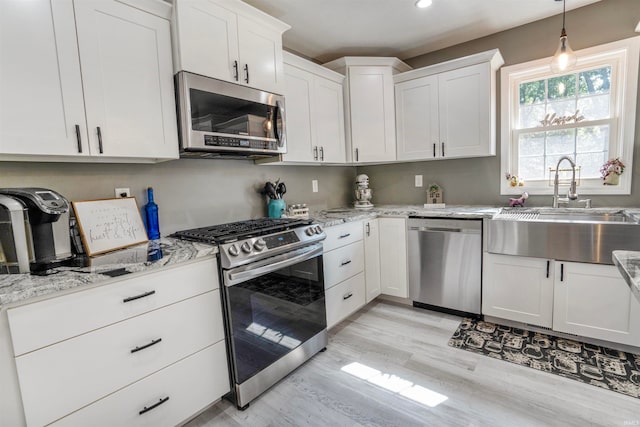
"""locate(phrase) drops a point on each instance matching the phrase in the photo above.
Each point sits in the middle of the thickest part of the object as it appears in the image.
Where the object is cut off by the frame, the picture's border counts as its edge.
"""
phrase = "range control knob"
(233, 250)
(259, 244)
(246, 247)
(318, 229)
(309, 231)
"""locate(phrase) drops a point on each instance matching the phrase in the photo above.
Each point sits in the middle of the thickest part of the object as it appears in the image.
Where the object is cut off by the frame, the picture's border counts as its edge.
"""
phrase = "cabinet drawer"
(93, 365)
(341, 235)
(190, 385)
(44, 323)
(342, 263)
(345, 298)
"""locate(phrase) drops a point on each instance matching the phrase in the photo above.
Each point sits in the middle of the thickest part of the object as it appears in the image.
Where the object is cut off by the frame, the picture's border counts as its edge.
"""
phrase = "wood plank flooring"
(411, 344)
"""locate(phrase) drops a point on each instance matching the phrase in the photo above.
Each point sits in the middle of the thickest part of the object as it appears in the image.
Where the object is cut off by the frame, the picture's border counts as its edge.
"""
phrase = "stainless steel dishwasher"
(445, 264)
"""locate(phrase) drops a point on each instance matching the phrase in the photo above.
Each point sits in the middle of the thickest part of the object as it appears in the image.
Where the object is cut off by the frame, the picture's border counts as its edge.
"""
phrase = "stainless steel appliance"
(445, 264)
(273, 298)
(16, 244)
(222, 119)
(48, 214)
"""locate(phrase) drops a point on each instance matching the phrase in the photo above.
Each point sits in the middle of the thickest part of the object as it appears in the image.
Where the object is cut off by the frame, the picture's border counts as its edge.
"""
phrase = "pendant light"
(564, 58)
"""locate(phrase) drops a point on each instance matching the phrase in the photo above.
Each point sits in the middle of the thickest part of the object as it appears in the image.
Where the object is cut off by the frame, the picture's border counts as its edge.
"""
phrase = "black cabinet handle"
(443, 149)
(315, 152)
(154, 342)
(146, 294)
(561, 272)
(246, 71)
(368, 230)
(342, 236)
(79, 138)
(434, 149)
(100, 140)
(343, 263)
(357, 155)
(347, 296)
(322, 154)
(155, 405)
(236, 75)
(548, 264)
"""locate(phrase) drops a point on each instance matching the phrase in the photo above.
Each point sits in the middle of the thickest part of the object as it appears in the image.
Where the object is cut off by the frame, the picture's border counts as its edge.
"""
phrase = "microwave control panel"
(226, 141)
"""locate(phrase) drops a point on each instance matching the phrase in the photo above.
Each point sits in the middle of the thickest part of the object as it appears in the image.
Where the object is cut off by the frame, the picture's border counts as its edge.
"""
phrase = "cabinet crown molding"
(341, 64)
(493, 57)
(299, 62)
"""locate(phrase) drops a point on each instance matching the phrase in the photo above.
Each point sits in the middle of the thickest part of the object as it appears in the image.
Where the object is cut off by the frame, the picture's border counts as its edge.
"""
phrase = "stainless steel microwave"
(222, 119)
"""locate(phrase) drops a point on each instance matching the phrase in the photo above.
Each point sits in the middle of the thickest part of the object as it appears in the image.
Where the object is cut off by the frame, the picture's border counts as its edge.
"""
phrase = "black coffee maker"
(48, 220)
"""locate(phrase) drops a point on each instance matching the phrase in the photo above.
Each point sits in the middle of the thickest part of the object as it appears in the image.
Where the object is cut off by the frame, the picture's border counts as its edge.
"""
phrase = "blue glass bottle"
(151, 216)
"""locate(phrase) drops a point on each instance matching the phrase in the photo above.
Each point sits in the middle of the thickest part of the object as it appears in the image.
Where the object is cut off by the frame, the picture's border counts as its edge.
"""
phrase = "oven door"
(273, 307)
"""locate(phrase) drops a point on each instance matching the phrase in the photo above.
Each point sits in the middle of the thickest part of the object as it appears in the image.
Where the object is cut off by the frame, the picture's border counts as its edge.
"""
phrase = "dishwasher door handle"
(437, 229)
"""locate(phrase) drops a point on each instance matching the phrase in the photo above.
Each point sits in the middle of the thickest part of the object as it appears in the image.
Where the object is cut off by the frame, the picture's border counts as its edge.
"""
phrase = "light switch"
(418, 180)
(314, 185)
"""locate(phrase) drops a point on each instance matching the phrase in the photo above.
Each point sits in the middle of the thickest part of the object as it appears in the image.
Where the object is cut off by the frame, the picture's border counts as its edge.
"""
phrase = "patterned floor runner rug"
(599, 366)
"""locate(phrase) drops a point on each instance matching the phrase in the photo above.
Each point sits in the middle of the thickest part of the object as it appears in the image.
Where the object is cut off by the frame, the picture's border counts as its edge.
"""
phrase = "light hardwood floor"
(411, 344)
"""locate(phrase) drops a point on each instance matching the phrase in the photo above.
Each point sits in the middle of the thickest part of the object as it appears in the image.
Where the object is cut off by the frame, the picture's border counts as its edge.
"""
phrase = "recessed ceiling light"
(423, 3)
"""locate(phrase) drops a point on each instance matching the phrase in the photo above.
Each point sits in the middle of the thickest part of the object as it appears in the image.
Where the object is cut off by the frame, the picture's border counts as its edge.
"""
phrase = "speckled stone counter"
(332, 217)
(18, 288)
(628, 263)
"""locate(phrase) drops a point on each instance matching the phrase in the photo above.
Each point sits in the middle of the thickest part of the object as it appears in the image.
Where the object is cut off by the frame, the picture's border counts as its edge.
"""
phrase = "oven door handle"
(275, 263)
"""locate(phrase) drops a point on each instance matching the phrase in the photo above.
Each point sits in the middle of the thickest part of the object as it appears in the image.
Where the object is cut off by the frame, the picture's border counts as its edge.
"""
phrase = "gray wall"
(477, 181)
(189, 192)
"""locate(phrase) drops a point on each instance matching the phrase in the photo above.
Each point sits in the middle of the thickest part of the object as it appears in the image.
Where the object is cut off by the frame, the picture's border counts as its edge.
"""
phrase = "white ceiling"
(328, 29)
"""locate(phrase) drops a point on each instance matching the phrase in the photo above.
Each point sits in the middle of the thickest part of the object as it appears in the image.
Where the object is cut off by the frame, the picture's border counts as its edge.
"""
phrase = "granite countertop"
(628, 263)
(332, 217)
(18, 288)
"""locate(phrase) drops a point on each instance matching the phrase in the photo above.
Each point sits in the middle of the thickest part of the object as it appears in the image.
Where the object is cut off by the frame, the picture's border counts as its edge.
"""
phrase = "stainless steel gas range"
(273, 298)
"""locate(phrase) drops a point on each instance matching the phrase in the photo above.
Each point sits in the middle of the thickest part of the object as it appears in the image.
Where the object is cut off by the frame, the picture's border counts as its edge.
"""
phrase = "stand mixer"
(363, 193)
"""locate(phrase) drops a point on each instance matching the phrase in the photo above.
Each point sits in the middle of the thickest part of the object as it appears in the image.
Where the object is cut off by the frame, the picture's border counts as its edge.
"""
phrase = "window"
(587, 114)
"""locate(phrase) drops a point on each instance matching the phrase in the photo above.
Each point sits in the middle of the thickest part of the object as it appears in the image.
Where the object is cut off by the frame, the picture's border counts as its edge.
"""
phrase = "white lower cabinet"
(518, 289)
(148, 329)
(393, 257)
(588, 300)
(343, 263)
(167, 397)
(372, 258)
(594, 301)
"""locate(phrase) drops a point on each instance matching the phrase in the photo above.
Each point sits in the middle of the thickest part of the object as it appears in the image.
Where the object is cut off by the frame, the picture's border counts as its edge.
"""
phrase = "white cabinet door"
(41, 100)
(128, 81)
(372, 114)
(393, 257)
(328, 120)
(207, 39)
(595, 301)
(465, 112)
(298, 94)
(518, 289)
(417, 119)
(260, 56)
(372, 258)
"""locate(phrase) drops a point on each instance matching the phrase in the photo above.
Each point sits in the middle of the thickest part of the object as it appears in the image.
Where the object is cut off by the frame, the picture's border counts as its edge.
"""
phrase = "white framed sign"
(109, 224)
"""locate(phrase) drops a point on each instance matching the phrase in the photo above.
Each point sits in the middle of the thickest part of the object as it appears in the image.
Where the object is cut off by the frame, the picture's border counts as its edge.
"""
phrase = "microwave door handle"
(279, 133)
(278, 262)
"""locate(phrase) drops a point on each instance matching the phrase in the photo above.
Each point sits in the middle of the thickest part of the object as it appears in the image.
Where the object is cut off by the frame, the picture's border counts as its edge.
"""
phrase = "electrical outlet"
(314, 185)
(122, 192)
(418, 180)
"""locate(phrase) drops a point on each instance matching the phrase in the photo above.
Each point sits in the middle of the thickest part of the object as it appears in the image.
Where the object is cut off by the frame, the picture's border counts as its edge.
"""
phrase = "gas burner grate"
(231, 231)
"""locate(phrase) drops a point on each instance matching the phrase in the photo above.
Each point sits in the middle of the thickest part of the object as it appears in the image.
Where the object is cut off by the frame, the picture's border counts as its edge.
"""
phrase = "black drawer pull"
(342, 236)
(343, 263)
(146, 294)
(434, 149)
(154, 342)
(235, 70)
(562, 272)
(443, 149)
(79, 138)
(246, 70)
(155, 405)
(548, 263)
(100, 140)
(347, 296)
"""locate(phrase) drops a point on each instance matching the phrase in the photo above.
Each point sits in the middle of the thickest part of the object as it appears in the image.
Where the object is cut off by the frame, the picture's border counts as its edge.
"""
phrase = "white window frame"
(624, 56)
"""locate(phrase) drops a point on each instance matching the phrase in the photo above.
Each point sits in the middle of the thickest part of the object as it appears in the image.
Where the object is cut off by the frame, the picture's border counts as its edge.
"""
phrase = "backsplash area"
(189, 192)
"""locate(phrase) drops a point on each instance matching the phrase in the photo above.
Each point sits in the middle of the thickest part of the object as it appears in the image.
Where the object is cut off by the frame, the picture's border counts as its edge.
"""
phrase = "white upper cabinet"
(370, 114)
(314, 111)
(448, 110)
(86, 80)
(229, 40)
